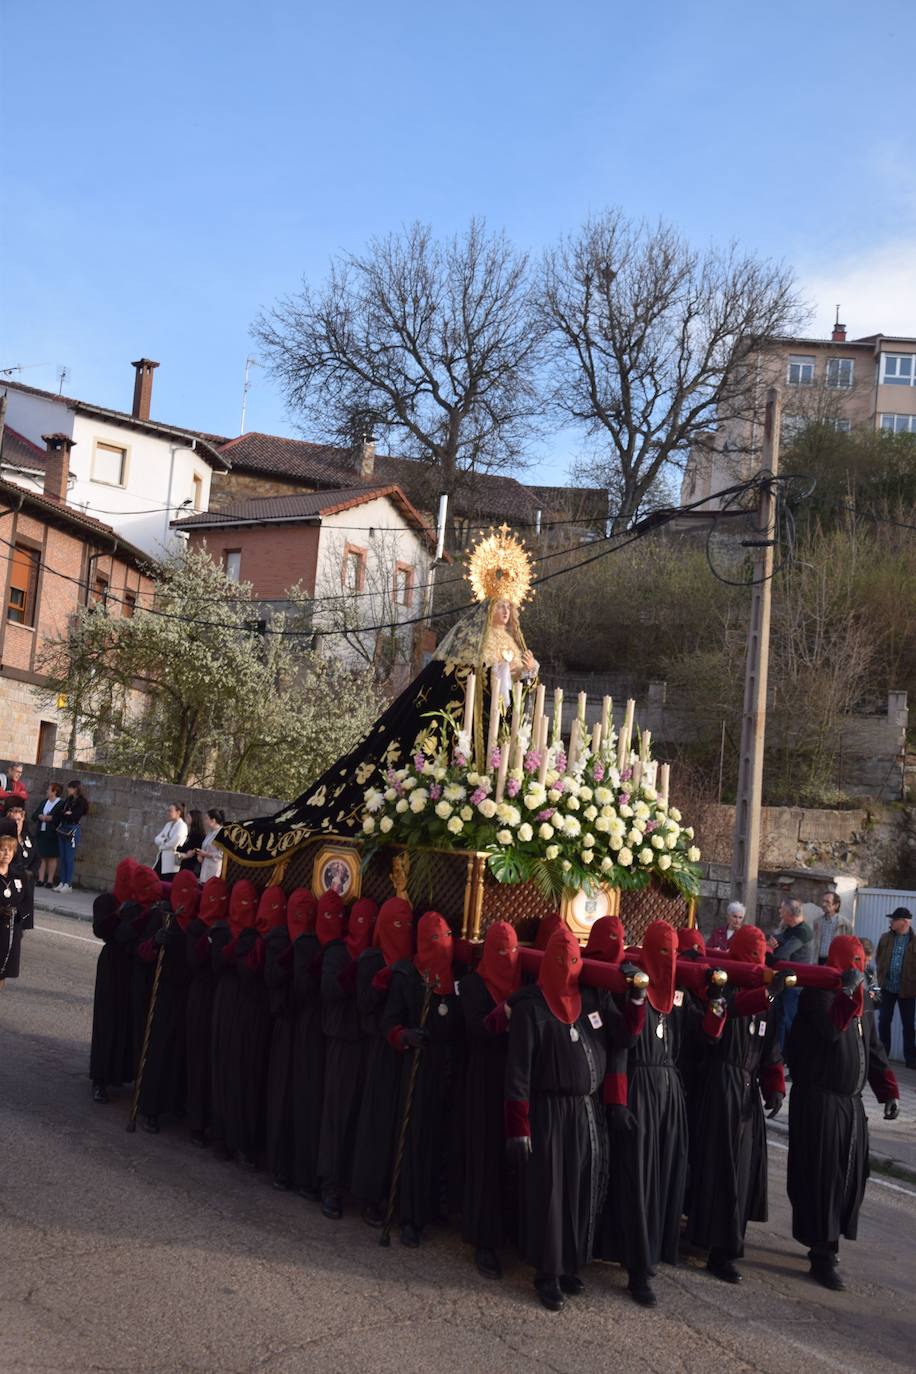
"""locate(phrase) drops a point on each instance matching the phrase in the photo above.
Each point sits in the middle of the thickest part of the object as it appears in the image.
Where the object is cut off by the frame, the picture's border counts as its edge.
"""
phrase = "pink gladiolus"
(477, 796)
(513, 787)
(495, 757)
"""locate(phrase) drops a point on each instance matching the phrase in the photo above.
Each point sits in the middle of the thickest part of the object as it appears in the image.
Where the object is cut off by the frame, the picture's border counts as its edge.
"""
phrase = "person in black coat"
(308, 1042)
(142, 920)
(27, 859)
(44, 819)
(111, 1049)
(11, 904)
(278, 979)
(377, 1125)
(250, 1043)
(229, 941)
(343, 1043)
(163, 1084)
(832, 1051)
(214, 899)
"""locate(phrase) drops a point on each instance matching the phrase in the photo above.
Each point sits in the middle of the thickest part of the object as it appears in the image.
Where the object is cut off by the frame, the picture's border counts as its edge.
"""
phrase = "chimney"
(57, 469)
(839, 333)
(143, 387)
(367, 458)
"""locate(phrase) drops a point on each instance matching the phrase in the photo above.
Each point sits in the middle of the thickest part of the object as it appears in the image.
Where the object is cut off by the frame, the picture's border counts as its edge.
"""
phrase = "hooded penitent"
(271, 910)
(691, 942)
(606, 940)
(558, 978)
(359, 927)
(329, 919)
(749, 944)
(659, 959)
(123, 882)
(545, 929)
(433, 959)
(214, 900)
(184, 897)
(394, 930)
(846, 952)
(146, 887)
(243, 900)
(301, 910)
(499, 966)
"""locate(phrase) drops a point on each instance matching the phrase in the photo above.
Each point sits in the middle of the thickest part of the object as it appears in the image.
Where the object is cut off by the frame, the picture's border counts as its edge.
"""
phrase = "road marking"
(872, 1178)
(86, 939)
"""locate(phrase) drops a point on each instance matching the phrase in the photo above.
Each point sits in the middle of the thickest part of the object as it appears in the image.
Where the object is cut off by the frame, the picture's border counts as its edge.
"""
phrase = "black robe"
(640, 1224)
(142, 928)
(110, 1052)
(25, 863)
(828, 1131)
(222, 1029)
(728, 1143)
(558, 1070)
(11, 914)
(377, 1126)
(163, 1086)
(344, 1063)
(278, 979)
(199, 1021)
(308, 1061)
(489, 1211)
(423, 1184)
(250, 1047)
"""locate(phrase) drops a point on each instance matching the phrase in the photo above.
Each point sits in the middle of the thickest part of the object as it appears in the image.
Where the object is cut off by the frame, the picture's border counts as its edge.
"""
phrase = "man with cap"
(895, 959)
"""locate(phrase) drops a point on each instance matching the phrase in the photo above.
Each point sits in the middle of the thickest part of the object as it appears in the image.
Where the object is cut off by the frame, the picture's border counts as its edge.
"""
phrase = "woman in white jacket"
(211, 858)
(172, 834)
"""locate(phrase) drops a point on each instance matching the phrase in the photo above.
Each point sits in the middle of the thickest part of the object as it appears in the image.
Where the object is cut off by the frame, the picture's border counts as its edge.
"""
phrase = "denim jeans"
(67, 850)
(789, 1001)
(907, 1006)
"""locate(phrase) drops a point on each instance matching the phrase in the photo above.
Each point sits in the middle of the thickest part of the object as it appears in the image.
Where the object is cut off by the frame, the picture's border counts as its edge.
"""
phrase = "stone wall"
(125, 814)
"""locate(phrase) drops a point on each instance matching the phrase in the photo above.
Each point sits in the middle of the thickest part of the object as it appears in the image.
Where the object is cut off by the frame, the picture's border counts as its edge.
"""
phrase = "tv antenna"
(249, 364)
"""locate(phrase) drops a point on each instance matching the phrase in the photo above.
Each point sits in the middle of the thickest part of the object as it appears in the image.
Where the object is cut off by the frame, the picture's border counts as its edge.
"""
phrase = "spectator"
(829, 925)
(872, 991)
(195, 837)
(72, 810)
(170, 837)
(896, 964)
(43, 817)
(25, 863)
(734, 919)
(794, 941)
(211, 858)
(12, 785)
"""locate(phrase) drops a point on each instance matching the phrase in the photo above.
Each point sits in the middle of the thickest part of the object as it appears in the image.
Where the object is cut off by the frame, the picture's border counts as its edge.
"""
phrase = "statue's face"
(502, 612)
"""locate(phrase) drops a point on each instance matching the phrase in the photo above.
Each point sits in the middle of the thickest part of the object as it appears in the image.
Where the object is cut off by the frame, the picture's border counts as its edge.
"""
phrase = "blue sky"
(168, 170)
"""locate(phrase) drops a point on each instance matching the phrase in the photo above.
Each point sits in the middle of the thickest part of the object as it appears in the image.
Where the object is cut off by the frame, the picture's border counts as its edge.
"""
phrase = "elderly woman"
(734, 920)
(11, 899)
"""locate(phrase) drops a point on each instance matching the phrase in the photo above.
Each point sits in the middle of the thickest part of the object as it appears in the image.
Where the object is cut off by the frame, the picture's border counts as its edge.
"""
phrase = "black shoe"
(722, 1268)
(640, 1290)
(98, 1092)
(548, 1290)
(487, 1263)
(199, 1139)
(827, 1275)
(572, 1284)
(331, 1208)
(372, 1215)
(151, 1125)
(410, 1236)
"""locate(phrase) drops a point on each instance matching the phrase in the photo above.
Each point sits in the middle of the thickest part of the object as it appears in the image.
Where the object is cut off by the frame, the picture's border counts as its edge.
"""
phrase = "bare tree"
(431, 345)
(650, 344)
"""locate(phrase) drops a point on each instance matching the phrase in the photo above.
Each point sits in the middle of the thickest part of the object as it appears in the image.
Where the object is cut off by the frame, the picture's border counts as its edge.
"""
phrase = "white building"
(133, 473)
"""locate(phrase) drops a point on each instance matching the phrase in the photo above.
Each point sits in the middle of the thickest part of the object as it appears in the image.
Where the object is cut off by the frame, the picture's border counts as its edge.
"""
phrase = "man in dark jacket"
(895, 959)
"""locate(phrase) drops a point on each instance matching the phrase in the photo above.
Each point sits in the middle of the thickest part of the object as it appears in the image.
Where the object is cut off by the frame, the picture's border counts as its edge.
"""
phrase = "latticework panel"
(639, 909)
(297, 871)
(521, 904)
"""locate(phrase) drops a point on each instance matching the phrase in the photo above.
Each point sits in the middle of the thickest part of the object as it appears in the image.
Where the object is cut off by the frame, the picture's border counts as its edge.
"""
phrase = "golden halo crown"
(500, 567)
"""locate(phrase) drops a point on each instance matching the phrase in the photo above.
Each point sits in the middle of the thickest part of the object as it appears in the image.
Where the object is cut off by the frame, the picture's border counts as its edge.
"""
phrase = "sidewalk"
(77, 904)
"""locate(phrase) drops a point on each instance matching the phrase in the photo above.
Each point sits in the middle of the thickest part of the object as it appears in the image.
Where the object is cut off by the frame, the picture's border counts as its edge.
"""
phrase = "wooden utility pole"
(746, 852)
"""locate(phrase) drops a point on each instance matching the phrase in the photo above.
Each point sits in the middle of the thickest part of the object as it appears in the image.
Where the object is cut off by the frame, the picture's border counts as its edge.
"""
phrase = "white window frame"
(836, 366)
(801, 361)
(896, 379)
(896, 427)
(124, 450)
(841, 425)
(236, 556)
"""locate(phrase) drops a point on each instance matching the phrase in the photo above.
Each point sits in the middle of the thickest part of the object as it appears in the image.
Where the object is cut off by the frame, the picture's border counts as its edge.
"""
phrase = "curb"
(878, 1164)
(56, 910)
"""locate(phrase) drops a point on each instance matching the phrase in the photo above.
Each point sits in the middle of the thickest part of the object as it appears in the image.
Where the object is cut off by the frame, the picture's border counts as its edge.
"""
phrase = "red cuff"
(773, 1079)
(394, 1037)
(750, 1002)
(843, 1010)
(382, 980)
(634, 1018)
(496, 1022)
(713, 1025)
(883, 1083)
(517, 1123)
(614, 1089)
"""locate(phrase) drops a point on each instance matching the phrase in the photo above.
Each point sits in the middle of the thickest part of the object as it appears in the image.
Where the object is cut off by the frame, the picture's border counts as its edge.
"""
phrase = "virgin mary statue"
(487, 641)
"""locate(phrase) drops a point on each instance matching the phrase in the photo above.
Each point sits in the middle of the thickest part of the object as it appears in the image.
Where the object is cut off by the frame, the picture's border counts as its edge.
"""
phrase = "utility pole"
(746, 852)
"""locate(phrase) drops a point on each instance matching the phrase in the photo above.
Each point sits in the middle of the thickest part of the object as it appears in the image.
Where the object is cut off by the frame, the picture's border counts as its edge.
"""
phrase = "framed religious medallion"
(580, 910)
(336, 868)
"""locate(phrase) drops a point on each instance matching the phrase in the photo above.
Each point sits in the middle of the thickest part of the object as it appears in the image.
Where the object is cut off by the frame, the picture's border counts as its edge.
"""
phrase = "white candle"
(539, 704)
(469, 692)
(664, 773)
(623, 749)
(557, 715)
(544, 751)
(501, 773)
(573, 745)
(596, 738)
(493, 736)
(583, 702)
(645, 741)
(637, 773)
(607, 708)
(516, 716)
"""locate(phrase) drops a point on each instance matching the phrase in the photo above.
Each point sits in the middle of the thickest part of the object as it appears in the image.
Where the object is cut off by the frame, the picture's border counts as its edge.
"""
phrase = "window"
(801, 370)
(898, 424)
(791, 427)
(841, 426)
(840, 372)
(232, 562)
(20, 603)
(897, 369)
(99, 595)
(109, 464)
(353, 572)
(197, 492)
(403, 584)
(130, 604)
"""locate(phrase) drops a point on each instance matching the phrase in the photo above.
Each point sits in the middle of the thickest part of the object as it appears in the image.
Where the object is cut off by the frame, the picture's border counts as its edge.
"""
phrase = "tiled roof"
(18, 498)
(18, 451)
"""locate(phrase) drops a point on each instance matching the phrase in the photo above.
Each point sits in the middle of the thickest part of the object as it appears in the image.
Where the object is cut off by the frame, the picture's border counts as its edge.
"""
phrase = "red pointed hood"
(214, 899)
(123, 881)
(846, 952)
(360, 926)
(394, 930)
(301, 910)
(545, 929)
(271, 910)
(499, 966)
(146, 887)
(749, 944)
(329, 920)
(659, 959)
(243, 901)
(184, 897)
(433, 958)
(606, 940)
(690, 939)
(558, 978)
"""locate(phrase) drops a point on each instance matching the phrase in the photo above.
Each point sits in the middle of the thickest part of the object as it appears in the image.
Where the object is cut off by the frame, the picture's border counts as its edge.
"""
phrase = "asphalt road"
(140, 1253)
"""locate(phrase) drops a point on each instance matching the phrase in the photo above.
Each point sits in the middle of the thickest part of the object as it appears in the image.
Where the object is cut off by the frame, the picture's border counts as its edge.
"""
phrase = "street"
(141, 1253)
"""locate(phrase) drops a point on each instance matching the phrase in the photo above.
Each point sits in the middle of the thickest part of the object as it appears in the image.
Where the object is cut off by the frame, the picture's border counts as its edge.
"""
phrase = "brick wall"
(226, 487)
(273, 557)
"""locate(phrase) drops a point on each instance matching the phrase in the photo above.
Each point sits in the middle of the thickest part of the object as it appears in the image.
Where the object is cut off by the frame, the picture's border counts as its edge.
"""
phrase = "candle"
(493, 736)
(664, 773)
(623, 748)
(607, 709)
(573, 745)
(557, 715)
(596, 739)
(515, 762)
(637, 773)
(645, 741)
(583, 702)
(545, 752)
(538, 705)
(516, 716)
(501, 773)
(469, 692)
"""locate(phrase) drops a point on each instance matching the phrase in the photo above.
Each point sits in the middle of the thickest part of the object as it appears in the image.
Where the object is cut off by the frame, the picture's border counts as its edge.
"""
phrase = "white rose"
(386, 824)
(674, 813)
(554, 795)
(616, 840)
(646, 856)
(626, 810)
(587, 855)
(546, 831)
(443, 810)
(664, 861)
(566, 865)
(588, 841)
(572, 803)
(525, 832)
(693, 854)
(606, 865)
(401, 806)
(466, 813)
(504, 836)
(625, 857)
(552, 851)
(368, 826)
(473, 779)
(535, 796)
(590, 813)
(635, 836)
(658, 841)
(688, 831)
(603, 825)
(455, 825)
(487, 808)
(440, 773)
(649, 793)
(390, 794)
(374, 799)
(509, 814)
(585, 794)
(409, 784)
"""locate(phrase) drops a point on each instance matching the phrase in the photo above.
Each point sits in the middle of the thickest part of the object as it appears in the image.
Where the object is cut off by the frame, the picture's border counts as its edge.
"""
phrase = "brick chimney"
(57, 465)
(839, 333)
(366, 455)
(143, 387)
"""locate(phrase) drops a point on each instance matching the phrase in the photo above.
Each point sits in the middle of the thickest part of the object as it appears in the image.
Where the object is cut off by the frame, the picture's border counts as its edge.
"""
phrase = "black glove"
(850, 980)
(161, 936)
(891, 1110)
(518, 1148)
(874, 995)
(414, 1039)
(773, 1104)
(620, 1120)
(629, 971)
(778, 984)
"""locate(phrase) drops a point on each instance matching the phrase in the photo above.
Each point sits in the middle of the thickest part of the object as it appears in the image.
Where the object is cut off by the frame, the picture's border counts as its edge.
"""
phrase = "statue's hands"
(529, 662)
